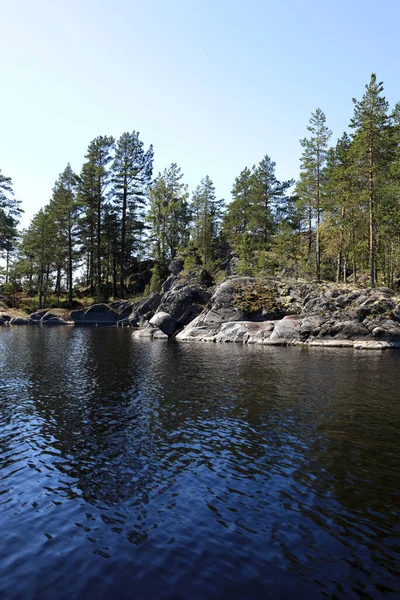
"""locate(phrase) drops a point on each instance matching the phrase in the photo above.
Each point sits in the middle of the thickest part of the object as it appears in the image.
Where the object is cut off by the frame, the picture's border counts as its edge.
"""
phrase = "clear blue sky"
(213, 84)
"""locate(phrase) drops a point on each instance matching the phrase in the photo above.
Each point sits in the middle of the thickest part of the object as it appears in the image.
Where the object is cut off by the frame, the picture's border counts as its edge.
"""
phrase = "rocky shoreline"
(271, 311)
(265, 311)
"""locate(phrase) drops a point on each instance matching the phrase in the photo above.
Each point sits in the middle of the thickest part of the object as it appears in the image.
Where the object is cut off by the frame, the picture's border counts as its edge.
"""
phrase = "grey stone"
(21, 321)
(38, 315)
(51, 319)
(144, 308)
(97, 314)
(185, 303)
(165, 322)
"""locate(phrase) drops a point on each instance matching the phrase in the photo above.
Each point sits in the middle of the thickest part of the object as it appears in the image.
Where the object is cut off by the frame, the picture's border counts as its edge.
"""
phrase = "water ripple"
(166, 471)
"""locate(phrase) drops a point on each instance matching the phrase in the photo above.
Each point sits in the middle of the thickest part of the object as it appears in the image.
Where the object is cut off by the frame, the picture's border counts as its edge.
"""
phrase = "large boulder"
(97, 314)
(247, 332)
(185, 303)
(346, 330)
(221, 307)
(124, 311)
(165, 322)
(168, 283)
(149, 332)
(287, 330)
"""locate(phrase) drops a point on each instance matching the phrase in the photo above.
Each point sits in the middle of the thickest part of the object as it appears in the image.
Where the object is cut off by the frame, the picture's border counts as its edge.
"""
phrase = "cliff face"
(277, 312)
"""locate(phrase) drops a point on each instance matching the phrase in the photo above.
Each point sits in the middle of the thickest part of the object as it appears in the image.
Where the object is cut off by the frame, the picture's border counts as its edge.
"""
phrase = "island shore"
(266, 311)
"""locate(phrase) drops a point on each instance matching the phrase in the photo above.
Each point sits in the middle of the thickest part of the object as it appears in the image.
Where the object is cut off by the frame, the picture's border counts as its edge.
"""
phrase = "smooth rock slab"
(149, 333)
(372, 345)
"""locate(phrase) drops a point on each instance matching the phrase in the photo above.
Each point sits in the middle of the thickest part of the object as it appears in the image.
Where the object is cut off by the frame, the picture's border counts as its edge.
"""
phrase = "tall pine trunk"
(317, 237)
(123, 239)
(69, 260)
(340, 245)
(98, 249)
(371, 223)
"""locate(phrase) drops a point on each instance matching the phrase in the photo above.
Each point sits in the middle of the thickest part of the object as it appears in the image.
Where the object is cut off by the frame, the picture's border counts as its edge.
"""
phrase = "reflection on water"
(131, 468)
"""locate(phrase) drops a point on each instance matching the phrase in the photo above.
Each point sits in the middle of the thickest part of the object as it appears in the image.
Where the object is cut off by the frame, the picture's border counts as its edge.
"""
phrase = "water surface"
(152, 469)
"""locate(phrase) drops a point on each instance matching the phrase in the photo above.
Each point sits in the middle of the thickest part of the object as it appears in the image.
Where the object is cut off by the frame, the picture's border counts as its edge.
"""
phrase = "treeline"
(340, 220)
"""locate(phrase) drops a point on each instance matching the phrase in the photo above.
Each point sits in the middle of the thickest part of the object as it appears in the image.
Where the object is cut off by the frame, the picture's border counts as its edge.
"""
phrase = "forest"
(112, 222)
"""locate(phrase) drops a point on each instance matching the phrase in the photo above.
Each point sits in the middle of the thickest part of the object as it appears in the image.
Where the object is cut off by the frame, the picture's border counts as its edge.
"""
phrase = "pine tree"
(207, 214)
(373, 153)
(37, 251)
(64, 211)
(268, 193)
(10, 213)
(340, 208)
(94, 183)
(131, 175)
(310, 189)
(169, 214)
(237, 217)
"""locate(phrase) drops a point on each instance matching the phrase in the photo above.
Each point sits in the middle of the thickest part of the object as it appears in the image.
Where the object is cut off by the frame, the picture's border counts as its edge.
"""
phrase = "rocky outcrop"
(184, 303)
(175, 309)
(97, 314)
(142, 311)
(276, 312)
(54, 317)
(9, 314)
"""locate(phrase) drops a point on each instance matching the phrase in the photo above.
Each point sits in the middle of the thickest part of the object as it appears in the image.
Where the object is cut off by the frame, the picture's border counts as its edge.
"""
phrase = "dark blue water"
(139, 469)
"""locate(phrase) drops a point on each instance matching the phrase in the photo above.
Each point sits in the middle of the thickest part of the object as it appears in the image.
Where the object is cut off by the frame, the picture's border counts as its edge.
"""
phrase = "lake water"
(153, 469)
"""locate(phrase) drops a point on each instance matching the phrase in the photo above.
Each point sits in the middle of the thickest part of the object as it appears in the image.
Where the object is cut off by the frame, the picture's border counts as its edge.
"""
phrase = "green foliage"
(207, 216)
(267, 263)
(237, 217)
(131, 176)
(269, 196)
(10, 213)
(192, 268)
(245, 252)
(169, 214)
(373, 153)
(311, 187)
(156, 279)
(343, 220)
